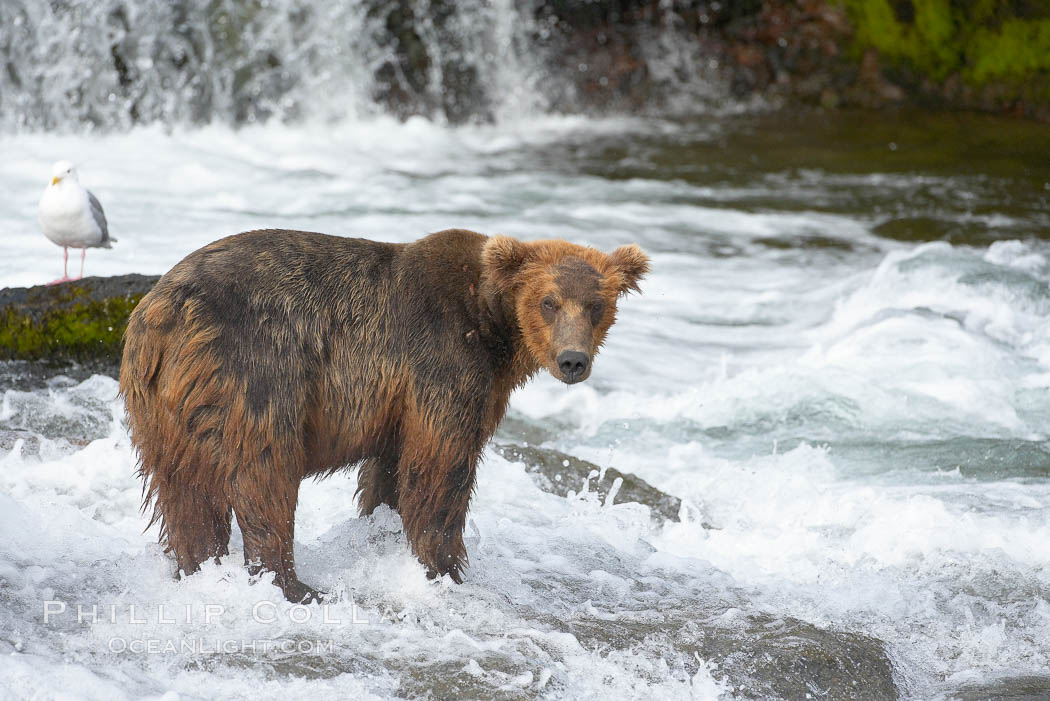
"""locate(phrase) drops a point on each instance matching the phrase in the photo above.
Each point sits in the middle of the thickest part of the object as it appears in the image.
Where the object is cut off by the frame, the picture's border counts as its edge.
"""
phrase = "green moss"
(1018, 47)
(877, 26)
(925, 42)
(934, 30)
(76, 328)
(980, 40)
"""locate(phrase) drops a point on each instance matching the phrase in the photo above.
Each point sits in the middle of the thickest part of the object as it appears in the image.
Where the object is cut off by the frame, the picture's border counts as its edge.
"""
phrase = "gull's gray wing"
(100, 219)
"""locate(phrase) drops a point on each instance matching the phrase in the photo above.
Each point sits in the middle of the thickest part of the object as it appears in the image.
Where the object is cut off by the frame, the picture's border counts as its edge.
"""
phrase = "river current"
(839, 365)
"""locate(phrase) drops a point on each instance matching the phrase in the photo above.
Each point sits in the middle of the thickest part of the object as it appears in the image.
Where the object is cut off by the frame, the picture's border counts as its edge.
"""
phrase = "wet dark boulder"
(560, 473)
(1022, 688)
(520, 439)
(760, 656)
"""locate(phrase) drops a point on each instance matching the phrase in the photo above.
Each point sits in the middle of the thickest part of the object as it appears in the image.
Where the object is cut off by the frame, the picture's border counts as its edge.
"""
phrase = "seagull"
(72, 217)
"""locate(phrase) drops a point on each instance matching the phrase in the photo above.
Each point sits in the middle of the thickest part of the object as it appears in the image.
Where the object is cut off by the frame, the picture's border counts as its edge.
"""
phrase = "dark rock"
(1024, 688)
(403, 81)
(560, 473)
(74, 323)
(518, 429)
(9, 437)
(916, 229)
(25, 375)
(762, 657)
(872, 89)
(792, 659)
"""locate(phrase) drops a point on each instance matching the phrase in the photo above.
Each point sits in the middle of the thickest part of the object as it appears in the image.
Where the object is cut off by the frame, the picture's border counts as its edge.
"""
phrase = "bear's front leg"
(435, 481)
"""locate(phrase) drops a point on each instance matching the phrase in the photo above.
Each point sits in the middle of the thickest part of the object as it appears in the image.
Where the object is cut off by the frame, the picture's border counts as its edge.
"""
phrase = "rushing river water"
(840, 365)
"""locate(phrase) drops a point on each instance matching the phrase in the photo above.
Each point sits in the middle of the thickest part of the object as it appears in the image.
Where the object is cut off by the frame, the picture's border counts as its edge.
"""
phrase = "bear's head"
(563, 296)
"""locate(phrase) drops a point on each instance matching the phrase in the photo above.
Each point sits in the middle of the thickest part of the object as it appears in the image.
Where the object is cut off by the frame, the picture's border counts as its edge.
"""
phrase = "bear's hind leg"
(195, 523)
(377, 484)
(266, 515)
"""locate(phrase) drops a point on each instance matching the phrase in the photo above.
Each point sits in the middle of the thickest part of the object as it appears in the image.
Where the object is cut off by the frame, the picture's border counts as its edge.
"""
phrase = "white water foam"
(859, 440)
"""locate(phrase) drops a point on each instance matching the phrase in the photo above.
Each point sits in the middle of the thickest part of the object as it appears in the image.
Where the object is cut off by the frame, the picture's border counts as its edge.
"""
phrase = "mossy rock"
(79, 322)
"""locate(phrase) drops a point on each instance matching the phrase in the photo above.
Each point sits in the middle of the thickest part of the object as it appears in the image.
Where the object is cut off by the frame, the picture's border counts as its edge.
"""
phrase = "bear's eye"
(597, 307)
(549, 304)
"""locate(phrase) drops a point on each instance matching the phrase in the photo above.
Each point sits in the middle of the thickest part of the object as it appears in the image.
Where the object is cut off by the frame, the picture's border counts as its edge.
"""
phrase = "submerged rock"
(1023, 688)
(560, 473)
(23, 376)
(9, 438)
(762, 657)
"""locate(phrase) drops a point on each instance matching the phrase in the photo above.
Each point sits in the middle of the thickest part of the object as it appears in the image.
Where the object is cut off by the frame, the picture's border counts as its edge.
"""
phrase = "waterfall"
(109, 64)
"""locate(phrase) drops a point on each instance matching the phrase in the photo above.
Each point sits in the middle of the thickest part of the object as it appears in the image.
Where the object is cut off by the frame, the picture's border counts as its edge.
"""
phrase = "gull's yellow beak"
(54, 180)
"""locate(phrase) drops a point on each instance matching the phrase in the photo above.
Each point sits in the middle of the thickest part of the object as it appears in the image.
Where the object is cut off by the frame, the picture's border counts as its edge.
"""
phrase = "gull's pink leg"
(83, 252)
(65, 267)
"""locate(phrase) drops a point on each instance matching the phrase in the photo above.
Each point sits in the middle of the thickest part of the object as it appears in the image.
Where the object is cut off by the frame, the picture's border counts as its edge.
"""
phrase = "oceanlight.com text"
(211, 646)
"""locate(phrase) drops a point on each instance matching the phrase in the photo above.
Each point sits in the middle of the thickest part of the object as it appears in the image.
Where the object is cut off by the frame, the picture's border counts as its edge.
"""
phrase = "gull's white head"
(61, 171)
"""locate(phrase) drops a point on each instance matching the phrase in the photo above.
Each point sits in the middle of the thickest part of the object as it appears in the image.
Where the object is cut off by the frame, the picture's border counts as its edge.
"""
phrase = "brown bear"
(271, 356)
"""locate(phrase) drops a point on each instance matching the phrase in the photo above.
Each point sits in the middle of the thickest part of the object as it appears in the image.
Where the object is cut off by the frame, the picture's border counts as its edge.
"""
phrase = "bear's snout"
(573, 366)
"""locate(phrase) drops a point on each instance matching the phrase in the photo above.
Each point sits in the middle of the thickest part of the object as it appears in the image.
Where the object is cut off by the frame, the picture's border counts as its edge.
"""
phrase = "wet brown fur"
(271, 356)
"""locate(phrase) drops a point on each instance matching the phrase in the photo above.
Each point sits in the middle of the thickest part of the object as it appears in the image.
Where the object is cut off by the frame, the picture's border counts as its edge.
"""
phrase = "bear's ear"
(503, 257)
(631, 264)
